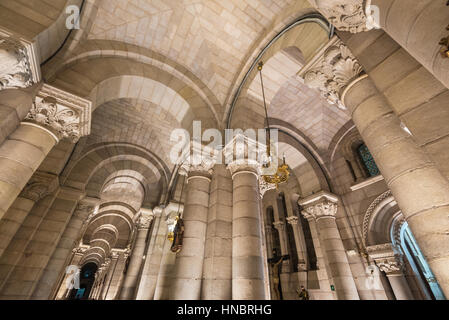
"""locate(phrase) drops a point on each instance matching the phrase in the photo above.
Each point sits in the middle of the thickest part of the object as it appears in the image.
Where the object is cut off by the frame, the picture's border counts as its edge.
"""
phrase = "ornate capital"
(265, 186)
(320, 205)
(279, 225)
(386, 258)
(243, 154)
(293, 220)
(331, 71)
(19, 66)
(349, 15)
(198, 160)
(40, 185)
(145, 219)
(65, 115)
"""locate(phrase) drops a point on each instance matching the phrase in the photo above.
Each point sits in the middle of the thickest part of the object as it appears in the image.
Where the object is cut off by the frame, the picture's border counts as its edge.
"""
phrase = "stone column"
(54, 115)
(130, 282)
(247, 259)
(108, 279)
(189, 262)
(19, 80)
(323, 208)
(217, 273)
(55, 268)
(419, 187)
(165, 275)
(153, 257)
(299, 241)
(418, 26)
(40, 185)
(392, 264)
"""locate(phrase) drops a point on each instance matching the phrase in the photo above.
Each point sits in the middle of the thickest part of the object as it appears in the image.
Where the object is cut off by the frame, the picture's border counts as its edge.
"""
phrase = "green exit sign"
(332, 287)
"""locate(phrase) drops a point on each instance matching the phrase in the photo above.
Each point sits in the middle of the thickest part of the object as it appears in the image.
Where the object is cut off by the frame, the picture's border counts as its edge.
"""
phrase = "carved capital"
(293, 220)
(349, 15)
(145, 219)
(279, 225)
(198, 160)
(320, 205)
(19, 67)
(65, 115)
(386, 258)
(331, 71)
(264, 186)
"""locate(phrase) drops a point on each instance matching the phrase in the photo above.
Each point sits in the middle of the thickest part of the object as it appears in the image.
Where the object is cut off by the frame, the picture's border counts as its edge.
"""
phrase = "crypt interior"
(93, 207)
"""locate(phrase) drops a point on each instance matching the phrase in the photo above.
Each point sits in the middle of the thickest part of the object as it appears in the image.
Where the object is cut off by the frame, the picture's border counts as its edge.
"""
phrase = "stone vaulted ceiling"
(209, 37)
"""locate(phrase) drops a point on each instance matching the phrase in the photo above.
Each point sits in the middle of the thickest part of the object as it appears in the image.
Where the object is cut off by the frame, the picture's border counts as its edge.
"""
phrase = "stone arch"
(96, 165)
(309, 28)
(379, 219)
(85, 74)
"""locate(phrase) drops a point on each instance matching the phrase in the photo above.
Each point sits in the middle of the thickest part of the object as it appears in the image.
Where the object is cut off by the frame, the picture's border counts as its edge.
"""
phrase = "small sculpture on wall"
(178, 235)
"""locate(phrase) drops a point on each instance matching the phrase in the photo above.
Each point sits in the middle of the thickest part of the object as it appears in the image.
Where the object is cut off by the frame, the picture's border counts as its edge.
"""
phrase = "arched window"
(368, 161)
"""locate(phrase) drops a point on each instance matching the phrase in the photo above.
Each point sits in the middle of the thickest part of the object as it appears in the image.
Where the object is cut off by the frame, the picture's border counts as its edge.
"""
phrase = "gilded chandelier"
(282, 172)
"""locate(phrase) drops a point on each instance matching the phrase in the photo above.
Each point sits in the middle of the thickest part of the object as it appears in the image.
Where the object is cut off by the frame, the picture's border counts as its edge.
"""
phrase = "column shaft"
(420, 189)
(189, 262)
(130, 283)
(20, 156)
(247, 260)
(52, 272)
(217, 273)
(336, 258)
(400, 286)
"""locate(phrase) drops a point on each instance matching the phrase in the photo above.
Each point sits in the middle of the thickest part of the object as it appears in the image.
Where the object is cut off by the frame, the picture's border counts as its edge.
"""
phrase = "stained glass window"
(368, 161)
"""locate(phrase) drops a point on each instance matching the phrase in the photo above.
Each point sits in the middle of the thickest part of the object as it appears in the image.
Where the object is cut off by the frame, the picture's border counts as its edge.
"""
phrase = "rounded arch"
(85, 74)
(379, 219)
(312, 28)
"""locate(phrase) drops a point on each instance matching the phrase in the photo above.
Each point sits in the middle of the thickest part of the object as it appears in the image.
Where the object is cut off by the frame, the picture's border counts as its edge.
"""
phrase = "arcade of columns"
(224, 254)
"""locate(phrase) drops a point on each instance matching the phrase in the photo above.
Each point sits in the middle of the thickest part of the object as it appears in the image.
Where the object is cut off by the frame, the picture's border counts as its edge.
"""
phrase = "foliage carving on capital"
(325, 208)
(144, 221)
(349, 15)
(293, 220)
(15, 69)
(67, 116)
(264, 186)
(64, 122)
(387, 258)
(332, 71)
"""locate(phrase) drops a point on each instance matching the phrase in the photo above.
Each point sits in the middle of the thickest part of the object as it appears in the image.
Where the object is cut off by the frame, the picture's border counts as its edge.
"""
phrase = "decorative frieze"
(65, 115)
(331, 71)
(349, 15)
(19, 66)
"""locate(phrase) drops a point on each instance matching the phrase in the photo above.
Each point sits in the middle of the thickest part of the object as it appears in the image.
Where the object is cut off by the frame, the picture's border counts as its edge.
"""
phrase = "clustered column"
(323, 208)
